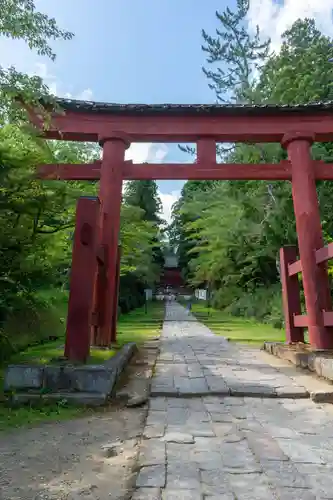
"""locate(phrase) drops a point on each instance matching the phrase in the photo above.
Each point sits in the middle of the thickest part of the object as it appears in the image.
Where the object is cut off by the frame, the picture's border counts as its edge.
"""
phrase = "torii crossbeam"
(116, 126)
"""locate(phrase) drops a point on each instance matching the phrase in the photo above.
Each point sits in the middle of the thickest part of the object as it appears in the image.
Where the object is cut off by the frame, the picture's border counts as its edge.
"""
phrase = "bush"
(262, 303)
(34, 319)
(131, 293)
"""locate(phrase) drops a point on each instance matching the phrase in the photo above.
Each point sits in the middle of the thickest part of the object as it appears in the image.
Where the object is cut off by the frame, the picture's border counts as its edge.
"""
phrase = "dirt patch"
(72, 460)
(68, 460)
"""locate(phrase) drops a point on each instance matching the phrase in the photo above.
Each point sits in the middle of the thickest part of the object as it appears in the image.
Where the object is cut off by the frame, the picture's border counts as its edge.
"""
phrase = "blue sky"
(145, 51)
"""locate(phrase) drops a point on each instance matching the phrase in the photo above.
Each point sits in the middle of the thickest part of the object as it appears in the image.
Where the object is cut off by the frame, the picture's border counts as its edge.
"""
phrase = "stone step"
(250, 393)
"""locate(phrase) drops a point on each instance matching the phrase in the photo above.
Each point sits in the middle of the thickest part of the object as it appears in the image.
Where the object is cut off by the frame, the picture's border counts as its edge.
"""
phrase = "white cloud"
(85, 95)
(141, 152)
(56, 87)
(273, 19)
(168, 199)
(153, 153)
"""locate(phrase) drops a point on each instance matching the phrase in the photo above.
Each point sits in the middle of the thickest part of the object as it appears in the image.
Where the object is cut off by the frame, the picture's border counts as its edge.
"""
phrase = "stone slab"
(179, 437)
(151, 477)
(147, 494)
(253, 391)
(57, 378)
(178, 494)
(94, 379)
(251, 444)
(23, 377)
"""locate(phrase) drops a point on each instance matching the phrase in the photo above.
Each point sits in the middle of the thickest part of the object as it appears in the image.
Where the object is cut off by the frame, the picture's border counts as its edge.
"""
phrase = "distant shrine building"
(171, 277)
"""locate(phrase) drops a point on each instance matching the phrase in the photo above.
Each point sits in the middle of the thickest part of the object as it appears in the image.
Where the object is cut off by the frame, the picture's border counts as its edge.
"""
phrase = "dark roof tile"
(189, 109)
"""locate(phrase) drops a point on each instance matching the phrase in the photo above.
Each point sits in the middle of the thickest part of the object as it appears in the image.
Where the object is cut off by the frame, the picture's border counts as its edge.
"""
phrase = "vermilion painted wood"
(328, 318)
(208, 171)
(85, 126)
(172, 277)
(99, 302)
(310, 239)
(300, 322)
(68, 171)
(324, 254)
(82, 281)
(206, 151)
(183, 171)
(116, 298)
(110, 196)
(295, 268)
(290, 296)
(323, 171)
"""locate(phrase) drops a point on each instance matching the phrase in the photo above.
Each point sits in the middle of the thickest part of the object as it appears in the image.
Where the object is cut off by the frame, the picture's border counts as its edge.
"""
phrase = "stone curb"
(86, 385)
(318, 362)
(89, 399)
(288, 394)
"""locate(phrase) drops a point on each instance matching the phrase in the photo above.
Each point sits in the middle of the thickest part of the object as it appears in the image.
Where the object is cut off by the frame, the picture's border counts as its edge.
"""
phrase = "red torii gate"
(94, 295)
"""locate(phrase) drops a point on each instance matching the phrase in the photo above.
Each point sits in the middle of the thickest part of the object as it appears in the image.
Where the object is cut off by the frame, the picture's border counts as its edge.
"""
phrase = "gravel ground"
(70, 460)
(75, 460)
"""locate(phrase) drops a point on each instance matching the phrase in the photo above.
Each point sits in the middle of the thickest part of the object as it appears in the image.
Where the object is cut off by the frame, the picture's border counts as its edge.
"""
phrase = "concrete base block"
(87, 384)
(74, 398)
(23, 377)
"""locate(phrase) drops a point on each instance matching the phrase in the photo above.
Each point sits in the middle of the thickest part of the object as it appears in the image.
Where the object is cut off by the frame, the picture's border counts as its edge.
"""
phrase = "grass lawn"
(139, 325)
(236, 329)
(49, 352)
(136, 326)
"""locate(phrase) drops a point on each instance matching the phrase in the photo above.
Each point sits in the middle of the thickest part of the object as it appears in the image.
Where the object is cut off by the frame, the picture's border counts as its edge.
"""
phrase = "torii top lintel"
(87, 121)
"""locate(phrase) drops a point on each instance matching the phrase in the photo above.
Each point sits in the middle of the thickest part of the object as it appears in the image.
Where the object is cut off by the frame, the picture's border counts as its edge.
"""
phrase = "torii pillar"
(82, 279)
(310, 238)
(110, 195)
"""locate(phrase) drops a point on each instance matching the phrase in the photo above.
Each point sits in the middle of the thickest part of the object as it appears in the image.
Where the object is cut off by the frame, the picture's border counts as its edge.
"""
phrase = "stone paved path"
(223, 424)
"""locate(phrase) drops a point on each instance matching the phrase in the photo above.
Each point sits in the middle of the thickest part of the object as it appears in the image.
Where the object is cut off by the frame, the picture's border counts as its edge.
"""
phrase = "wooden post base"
(290, 295)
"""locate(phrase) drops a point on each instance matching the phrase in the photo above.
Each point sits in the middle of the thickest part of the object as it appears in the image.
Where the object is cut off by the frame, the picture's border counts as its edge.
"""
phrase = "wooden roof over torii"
(86, 121)
(201, 124)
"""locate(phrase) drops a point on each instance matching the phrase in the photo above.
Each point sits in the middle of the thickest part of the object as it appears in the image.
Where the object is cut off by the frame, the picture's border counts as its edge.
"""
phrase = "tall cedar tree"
(144, 194)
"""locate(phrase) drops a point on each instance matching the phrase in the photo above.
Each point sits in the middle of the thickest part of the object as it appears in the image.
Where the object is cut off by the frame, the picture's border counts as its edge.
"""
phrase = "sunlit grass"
(11, 418)
(50, 352)
(236, 329)
(136, 326)
(139, 325)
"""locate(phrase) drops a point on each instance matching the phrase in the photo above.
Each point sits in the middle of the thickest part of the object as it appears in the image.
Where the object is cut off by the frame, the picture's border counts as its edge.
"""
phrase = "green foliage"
(301, 72)
(19, 19)
(229, 233)
(263, 303)
(143, 195)
(37, 221)
(177, 236)
(34, 217)
(33, 320)
(37, 218)
(234, 55)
